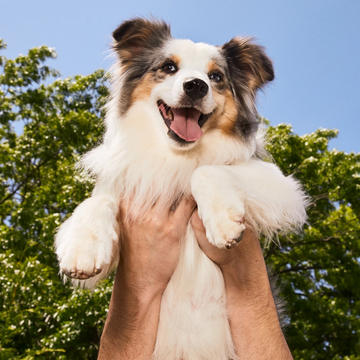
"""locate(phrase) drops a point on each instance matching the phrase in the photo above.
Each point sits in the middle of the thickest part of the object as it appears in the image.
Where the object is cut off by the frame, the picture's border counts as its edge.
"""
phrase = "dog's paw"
(224, 228)
(88, 241)
(85, 252)
(220, 205)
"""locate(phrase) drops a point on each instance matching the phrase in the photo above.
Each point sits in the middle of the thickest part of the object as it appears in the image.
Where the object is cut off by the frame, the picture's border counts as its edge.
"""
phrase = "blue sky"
(314, 44)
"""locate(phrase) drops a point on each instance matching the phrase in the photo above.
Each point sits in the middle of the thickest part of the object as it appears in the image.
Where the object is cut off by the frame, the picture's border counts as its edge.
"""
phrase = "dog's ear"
(247, 61)
(134, 37)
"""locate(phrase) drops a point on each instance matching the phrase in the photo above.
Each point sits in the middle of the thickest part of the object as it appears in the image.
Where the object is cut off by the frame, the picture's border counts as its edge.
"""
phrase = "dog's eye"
(169, 68)
(215, 77)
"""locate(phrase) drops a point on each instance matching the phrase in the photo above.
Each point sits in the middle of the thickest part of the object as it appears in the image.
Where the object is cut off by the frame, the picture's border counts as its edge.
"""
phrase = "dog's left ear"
(134, 38)
(247, 61)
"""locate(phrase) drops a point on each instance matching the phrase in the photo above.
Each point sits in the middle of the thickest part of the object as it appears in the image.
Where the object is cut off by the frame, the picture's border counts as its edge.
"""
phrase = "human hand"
(150, 246)
(253, 318)
(247, 249)
(149, 255)
(243, 266)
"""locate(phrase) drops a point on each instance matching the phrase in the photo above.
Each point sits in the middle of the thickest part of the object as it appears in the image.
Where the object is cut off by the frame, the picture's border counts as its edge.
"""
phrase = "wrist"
(245, 290)
(131, 324)
(139, 283)
(246, 276)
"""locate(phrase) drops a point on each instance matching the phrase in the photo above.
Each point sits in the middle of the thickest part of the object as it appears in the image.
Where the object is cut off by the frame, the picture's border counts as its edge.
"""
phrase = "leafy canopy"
(41, 318)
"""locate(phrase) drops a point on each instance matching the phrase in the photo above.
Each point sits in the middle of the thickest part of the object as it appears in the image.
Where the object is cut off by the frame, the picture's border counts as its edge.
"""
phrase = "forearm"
(254, 323)
(131, 325)
(149, 255)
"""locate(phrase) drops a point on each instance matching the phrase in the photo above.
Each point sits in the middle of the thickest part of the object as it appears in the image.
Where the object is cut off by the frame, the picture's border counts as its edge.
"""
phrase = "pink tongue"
(185, 124)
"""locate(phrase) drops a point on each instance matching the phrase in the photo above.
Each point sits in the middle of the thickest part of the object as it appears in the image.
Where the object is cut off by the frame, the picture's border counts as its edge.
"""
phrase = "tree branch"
(317, 241)
(272, 249)
(4, 97)
(22, 183)
(300, 268)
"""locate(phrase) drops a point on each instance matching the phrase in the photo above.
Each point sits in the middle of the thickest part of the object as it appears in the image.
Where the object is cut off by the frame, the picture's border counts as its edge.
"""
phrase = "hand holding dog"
(152, 250)
(254, 323)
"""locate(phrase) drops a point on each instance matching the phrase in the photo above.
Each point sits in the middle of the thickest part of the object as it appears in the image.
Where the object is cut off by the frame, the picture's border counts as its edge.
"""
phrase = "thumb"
(185, 209)
(200, 231)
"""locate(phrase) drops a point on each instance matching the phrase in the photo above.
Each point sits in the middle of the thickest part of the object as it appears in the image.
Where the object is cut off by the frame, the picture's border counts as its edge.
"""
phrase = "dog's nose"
(196, 88)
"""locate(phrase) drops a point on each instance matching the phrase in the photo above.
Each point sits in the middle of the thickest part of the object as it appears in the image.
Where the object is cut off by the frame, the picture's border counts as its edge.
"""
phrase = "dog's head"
(195, 88)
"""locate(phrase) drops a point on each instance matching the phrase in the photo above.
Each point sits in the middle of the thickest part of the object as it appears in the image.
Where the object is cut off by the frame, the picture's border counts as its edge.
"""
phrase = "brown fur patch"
(150, 80)
(213, 67)
(176, 59)
(143, 90)
(254, 73)
(226, 116)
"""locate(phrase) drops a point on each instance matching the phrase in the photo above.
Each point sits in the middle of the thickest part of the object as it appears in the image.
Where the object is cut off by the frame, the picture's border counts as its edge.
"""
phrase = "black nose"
(196, 88)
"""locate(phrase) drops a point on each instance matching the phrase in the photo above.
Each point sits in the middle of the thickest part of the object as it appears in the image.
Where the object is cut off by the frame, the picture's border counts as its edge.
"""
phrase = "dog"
(181, 120)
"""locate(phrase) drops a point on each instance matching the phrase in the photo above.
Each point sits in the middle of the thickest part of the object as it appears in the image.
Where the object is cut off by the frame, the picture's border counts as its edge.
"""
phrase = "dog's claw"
(80, 274)
(231, 244)
(238, 239)
(83, 276)
(66, 273)
(73, 274)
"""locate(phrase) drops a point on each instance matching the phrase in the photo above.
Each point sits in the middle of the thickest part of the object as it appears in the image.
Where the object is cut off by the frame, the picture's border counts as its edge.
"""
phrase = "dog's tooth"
(170, 114)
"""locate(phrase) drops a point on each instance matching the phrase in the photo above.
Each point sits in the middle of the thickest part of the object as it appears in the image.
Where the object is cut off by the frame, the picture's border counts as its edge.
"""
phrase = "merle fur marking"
(249, 70)
(137, 43)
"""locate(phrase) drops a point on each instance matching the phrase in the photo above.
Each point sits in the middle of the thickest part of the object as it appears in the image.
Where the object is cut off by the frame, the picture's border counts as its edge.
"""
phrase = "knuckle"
(189, 200)
(157, 223)
(171, 230)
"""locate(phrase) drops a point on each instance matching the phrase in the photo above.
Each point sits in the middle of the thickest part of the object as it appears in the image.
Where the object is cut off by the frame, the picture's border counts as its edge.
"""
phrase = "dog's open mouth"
(184, 124)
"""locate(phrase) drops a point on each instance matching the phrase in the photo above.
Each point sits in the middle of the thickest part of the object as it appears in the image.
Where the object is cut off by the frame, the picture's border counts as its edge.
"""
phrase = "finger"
(159, 210)
(196, 222)
(123, 214)
(199, 229)
(125, 204)
(184, 210)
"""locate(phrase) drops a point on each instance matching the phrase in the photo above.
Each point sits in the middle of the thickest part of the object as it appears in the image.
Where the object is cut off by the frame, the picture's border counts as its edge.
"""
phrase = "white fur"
(232, 191)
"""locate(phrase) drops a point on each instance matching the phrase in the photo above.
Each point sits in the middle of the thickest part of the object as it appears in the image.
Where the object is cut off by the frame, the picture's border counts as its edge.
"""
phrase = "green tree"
(39, 316)
(42, 318)
(319, 269)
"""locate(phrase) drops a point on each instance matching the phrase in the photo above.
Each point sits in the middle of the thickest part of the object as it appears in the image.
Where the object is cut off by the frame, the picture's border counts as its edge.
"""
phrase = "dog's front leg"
(253, 193)
(87, 244)
(221, 204)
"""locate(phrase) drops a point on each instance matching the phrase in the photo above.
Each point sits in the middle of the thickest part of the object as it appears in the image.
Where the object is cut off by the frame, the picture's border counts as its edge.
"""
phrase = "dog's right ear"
(134, 37)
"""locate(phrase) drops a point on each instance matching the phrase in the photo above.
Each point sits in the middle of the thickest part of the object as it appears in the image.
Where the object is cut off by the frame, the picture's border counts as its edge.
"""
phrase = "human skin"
(150, 252)
(254, 323)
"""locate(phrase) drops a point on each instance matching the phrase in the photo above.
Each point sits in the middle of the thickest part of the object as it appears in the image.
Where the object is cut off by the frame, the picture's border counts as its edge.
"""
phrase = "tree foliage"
(42, 318)
(319, 269)
(39, 316)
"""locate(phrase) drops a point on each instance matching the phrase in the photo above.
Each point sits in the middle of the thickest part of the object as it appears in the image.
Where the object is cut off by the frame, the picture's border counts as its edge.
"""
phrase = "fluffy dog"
(181, 120)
